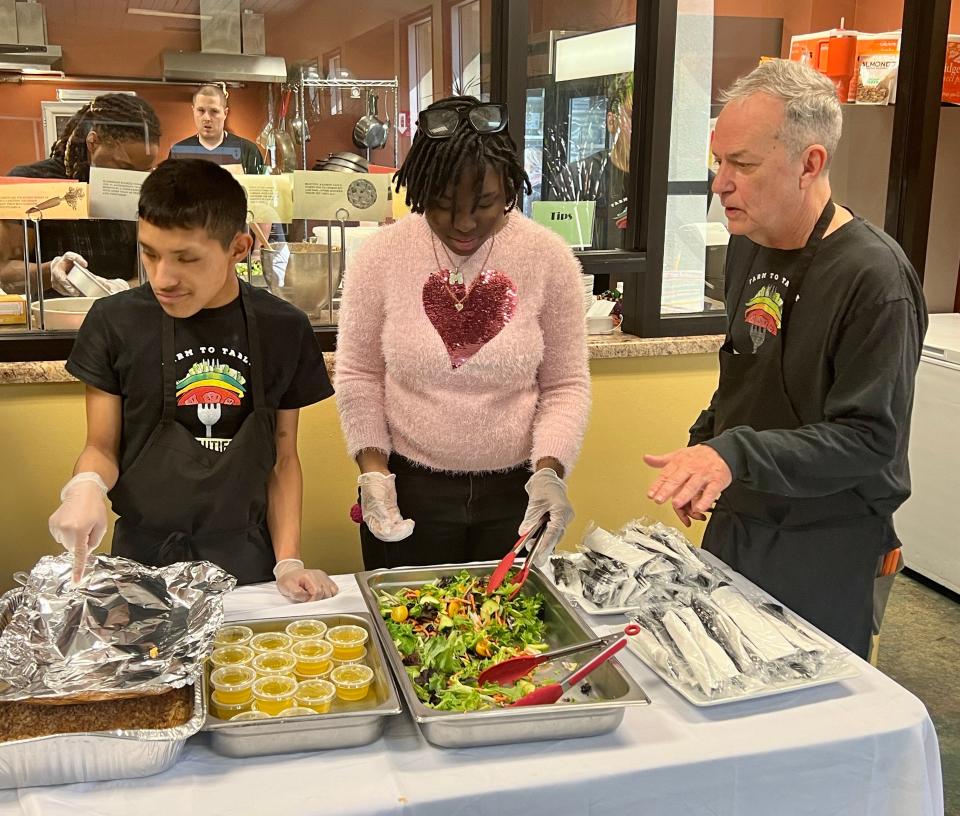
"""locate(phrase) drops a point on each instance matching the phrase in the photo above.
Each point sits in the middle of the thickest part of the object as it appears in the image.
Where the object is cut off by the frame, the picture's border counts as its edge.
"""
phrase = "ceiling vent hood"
(200, 66)
(30, 58)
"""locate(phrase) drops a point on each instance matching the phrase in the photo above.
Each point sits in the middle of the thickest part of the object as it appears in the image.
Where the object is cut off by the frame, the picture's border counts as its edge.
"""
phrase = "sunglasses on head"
(442, 123)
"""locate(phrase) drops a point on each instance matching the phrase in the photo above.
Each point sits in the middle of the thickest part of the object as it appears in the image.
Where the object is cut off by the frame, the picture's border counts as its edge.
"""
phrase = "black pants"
(459, 517)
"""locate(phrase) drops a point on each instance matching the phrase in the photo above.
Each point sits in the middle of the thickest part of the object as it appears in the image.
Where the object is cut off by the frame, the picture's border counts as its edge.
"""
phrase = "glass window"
(856, 45)
(469, 76)
(578, 118)
(336, 94)
(421, 64)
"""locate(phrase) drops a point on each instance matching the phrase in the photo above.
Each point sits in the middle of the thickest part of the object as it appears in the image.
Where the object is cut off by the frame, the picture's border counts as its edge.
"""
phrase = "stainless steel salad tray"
(90, 756)
(348, 725)
(613, 688)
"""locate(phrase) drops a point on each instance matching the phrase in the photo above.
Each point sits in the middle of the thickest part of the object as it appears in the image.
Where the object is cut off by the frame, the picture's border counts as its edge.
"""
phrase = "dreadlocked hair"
(113, 116)
(432, 165)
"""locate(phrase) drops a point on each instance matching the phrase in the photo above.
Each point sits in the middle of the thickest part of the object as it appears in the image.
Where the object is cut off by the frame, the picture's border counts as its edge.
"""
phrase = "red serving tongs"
(513, 668)
(500, 573)
(548, 694)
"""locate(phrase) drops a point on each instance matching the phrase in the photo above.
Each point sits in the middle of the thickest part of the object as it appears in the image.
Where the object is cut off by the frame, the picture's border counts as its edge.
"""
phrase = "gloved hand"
(60, 267)
(80, 521)
(299, 584)
(548, 494)
(378, 502)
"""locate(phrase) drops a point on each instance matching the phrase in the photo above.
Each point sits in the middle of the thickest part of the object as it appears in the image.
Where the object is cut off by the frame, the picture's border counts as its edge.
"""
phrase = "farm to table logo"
(210, 385)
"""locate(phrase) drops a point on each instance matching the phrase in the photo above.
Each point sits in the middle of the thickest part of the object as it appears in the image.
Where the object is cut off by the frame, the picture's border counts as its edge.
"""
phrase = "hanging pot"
(370, 133)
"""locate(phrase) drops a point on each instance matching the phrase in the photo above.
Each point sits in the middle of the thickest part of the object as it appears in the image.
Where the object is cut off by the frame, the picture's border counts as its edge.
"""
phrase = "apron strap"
(168, 366)
(253, 345)
(807, 254)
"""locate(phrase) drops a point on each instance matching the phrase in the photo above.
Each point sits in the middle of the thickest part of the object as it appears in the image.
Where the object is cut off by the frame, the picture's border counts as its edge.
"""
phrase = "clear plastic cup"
(233, 636)
(226, 711)
(231, 656)
(360, 659)
(347, 641)
(233, 684)
(270, 642)
(274, 694)
(316, 695)
(352, 681)
(250, 715)
(297, 711)
(313, 657)
(270, 664)
(307, 629)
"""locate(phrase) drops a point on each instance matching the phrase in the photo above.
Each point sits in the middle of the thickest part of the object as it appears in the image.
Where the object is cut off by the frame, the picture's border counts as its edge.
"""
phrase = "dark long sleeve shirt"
(851, 357)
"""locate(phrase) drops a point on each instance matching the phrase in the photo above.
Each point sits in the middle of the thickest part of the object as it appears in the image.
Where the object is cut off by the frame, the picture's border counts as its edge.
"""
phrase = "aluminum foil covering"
(124, 627)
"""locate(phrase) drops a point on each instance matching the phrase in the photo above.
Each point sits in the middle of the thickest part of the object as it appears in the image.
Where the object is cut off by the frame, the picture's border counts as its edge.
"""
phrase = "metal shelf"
(349, 83)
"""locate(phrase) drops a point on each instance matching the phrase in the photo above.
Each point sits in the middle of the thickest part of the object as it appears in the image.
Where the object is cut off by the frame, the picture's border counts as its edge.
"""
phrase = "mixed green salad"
(450, 630)
(255, 269)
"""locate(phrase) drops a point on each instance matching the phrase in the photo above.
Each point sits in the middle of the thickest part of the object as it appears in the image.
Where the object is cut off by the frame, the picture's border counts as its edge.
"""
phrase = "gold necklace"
(455, 276)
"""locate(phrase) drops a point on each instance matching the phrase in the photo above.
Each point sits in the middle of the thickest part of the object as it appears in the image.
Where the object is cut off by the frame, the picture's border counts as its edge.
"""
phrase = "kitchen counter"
(602, 347)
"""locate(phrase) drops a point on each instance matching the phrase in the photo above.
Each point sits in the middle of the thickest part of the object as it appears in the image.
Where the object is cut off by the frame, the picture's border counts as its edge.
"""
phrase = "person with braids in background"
(114, 130)
(461, 355)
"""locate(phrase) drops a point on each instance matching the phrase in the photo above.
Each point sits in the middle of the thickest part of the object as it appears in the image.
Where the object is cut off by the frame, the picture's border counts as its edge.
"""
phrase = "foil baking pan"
(613, 689)
(91, 756)
(347, 725)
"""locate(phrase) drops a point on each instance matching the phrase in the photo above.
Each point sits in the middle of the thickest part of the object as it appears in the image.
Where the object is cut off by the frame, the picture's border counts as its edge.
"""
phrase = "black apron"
(179, 501)
(819, 555)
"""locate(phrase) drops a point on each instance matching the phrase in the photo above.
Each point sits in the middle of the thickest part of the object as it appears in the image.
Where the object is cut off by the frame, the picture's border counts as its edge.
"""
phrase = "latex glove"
(60, 267)
(548, 494)
(299, 584)
(378, 501)
(80, 521)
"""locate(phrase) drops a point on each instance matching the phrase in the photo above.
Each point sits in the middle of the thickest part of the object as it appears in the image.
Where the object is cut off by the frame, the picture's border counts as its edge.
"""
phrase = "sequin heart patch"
(467, 320)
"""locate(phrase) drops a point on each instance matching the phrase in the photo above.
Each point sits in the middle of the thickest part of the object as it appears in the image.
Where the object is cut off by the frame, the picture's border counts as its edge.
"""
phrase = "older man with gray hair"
(802, 453)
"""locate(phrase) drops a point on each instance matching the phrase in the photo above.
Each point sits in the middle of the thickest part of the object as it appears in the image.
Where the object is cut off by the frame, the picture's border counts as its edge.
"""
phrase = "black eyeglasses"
(442, 123)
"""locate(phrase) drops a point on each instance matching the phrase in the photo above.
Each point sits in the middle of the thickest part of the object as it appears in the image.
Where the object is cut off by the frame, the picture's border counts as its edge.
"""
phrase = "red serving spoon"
(548, 694)
(500, 573)
(513, 668)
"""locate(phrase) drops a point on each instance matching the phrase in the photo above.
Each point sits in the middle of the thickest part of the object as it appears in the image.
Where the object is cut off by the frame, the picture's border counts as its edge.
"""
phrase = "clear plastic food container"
(250, 715)
(313, 657)
(359, 659)
(272, 695)
(297, 711)
(226, 711)
(270, 664)
(231, 656)
(352, 681)
(316, 695)
(233, 636)
(306, 629)
(270, 642)
(233, 684)
(347, 641)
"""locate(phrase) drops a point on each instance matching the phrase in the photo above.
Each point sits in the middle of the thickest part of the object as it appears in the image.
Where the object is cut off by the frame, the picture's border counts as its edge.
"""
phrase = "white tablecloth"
(861, 747)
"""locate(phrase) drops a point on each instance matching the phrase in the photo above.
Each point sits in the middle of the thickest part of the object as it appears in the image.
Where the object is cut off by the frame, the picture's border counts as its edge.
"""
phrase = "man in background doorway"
(212, 141)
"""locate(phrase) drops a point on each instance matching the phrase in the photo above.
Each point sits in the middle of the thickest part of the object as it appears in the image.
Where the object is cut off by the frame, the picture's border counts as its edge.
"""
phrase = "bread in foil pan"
(124, 629)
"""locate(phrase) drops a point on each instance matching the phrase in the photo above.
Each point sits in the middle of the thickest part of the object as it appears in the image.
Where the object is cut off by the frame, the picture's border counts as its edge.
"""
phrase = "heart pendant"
(458, 307)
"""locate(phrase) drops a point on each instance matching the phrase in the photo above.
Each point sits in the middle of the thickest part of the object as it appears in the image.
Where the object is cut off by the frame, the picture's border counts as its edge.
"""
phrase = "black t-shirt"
(232, 150)
(118, 350)
(853, 344)
(46, 169)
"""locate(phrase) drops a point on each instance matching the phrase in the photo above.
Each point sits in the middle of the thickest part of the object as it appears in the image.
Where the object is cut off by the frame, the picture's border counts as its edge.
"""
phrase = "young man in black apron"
(194, 385)
(804, 445)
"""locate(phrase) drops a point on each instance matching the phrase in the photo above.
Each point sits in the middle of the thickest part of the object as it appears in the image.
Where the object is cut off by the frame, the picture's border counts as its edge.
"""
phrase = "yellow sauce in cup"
(306, 629)
(233, 684)
(352, 681)
(274, 694)
(226, 711)
(233, 636)
(270, 642)
(313, 657)
(347, 641)
(269, 664)
(316, 695)
(231, 656)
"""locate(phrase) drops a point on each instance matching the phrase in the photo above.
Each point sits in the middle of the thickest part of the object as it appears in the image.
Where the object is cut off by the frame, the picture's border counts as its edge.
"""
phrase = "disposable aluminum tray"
(346, 726)
(91, 756)
(613, 688)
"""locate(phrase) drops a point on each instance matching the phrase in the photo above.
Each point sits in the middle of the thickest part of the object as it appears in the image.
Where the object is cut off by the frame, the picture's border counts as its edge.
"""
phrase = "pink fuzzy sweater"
(498, 383)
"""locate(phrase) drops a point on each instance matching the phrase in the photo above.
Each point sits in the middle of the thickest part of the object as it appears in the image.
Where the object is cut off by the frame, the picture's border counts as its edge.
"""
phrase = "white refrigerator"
(928, 523)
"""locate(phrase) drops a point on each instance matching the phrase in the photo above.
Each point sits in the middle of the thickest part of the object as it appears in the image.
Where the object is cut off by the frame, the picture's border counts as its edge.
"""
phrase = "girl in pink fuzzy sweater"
(461, 355)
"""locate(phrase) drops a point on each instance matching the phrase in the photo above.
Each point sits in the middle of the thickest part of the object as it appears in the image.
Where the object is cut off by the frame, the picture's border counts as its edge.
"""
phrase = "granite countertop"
(602, 347)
